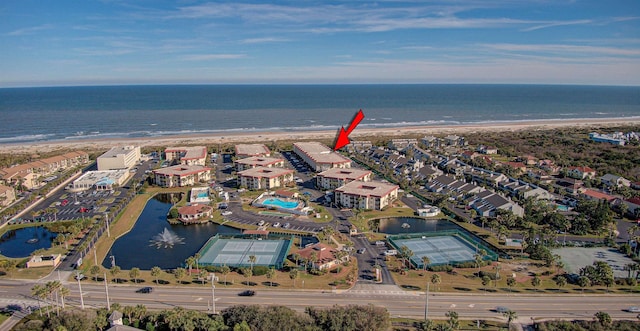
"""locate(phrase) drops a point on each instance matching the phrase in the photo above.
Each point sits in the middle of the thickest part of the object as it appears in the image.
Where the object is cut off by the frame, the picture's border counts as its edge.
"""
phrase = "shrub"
(260, 270)
(438, 268)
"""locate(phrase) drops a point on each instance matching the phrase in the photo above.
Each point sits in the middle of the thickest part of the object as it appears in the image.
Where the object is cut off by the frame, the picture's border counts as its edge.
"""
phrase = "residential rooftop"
(264, 172)
(252, 149)
(181, 170)
(320, 153)
(374, 188)
(350, 173)
(260, 161)
(190, 153)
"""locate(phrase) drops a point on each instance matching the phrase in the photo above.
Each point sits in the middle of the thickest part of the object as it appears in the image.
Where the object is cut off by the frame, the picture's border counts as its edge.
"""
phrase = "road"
(399, 303)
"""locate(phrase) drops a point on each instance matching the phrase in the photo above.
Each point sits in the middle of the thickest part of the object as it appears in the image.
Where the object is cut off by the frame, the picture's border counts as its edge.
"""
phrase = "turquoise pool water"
(203, 195)
(562, 207)
(279, 203)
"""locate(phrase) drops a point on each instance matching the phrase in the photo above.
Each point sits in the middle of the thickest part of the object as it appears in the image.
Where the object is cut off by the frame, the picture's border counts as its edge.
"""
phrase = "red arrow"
(343, 136)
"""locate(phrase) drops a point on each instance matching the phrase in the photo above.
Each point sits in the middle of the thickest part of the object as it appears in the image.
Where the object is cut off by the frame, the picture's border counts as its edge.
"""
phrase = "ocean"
(95, 112)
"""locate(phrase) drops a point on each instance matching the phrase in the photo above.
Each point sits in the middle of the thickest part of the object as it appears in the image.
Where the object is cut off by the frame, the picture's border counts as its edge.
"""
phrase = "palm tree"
(225, 270)
(155, 272)
(425, 262)
(39, 292)
(134, 273)
(453, 321)
(247, 272)
(271, 273)
(436, 280)
(197, 258)
(583, 282)
(114, 271)
(536, 281)
(252, 260)
(561, 281)
(63, 293)
(203, 275)
(293, 274)
(94, 271)
(511, 282)
(313, 259)
(510, 315)
(190, 261)
(179, 274)
(52, 288)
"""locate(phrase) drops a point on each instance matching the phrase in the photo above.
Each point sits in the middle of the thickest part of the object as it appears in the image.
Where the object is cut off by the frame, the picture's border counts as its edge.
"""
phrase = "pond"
(400, 225)
(148, 244)
(22, 242)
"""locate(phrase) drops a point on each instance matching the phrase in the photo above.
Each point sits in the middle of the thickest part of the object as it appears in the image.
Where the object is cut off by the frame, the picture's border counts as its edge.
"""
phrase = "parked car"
(633, 309)
(277, 224)
(261, 223)
(362, 250)
(502, 309)
(227, 213)
(286, 225)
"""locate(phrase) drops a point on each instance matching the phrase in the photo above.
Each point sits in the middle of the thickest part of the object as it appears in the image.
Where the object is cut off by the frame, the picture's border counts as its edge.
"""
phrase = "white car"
(226, 213)
(277, 224)
(261, 223)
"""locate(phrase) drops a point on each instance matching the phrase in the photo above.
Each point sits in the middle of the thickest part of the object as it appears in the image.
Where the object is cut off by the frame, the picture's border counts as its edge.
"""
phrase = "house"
(322, 256)
(487, 150)
(518, 167)
(549, 166)
(124, 157)
(258, 161)
(366, 195)
(336, 177)
(194, 213)
(454, 140)
(590, 194)
(115, 318)
(196, 155)
(430, 142)
(44, 261)
(7, 195)
(469, 155)
(401, 144)
(612, 180)
(529, 160)
(486, 203)
(181, 175)
(427, 173)
(264, 178)
(633, 205)
(359, 145)
(581, 172)
(249, 150)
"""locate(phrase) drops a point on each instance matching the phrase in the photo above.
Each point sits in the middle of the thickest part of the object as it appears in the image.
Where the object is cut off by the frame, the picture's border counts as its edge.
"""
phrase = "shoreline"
(269, 136)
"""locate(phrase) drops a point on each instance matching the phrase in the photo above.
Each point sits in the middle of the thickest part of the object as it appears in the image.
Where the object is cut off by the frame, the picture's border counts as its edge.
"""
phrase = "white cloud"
(29, 30)
(263, 40)
(208, 57)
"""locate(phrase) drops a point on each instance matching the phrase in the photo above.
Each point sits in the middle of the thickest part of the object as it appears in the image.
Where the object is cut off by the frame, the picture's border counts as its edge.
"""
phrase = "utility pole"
(79, 276)
(106, 217)
(213, 293)
(426, 303)
(106, 288)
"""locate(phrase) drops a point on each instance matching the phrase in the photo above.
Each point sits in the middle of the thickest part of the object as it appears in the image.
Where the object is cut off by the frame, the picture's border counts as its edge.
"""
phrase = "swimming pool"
(203, 195)
(280, 203)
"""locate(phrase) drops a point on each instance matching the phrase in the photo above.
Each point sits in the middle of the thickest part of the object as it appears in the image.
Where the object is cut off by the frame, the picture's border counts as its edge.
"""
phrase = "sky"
(113, 42)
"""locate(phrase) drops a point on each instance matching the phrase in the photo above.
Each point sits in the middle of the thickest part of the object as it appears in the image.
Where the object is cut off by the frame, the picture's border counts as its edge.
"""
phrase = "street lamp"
(426, 303)
(79, 276)
(213, 293)
(106, 287)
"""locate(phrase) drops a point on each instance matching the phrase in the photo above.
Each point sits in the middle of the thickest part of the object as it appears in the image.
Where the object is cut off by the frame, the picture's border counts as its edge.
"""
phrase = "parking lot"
(576, 258)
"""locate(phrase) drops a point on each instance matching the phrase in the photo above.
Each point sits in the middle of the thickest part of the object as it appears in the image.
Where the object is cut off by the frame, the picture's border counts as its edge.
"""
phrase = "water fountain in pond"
(166, 239)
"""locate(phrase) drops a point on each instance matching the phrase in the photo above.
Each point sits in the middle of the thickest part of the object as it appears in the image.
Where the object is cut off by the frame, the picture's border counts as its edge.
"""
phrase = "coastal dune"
(266, 136)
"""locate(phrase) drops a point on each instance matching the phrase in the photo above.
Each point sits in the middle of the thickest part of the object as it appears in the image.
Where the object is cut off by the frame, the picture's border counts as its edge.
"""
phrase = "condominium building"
(181, 175)
(260, 178)
(366, 195)
(101, 180)
(7, 195)
(249, 150)
(33, 173)
(320, 157)
(258, 161)
(336, 177)
(116, 158)
(195, 155)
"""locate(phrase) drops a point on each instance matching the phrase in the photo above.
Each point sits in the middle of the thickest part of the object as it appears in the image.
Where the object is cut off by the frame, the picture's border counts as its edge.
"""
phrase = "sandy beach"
(266, 136)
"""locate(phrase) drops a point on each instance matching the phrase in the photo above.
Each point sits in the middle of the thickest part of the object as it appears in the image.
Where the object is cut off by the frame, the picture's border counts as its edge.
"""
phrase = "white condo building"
(320, 157)
(366, 195)
(124, 157)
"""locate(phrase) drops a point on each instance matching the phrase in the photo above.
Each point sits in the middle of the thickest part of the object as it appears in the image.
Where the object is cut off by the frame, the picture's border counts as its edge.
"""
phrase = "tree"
(603, 318)
(134, 273)
(252, 260)
(453, 321)
(293, 274)
(203, 276)
(155, 272)
(510, 315)
(94, 271)
(583, 282)
(225, 270)
(406, 254)
(425, 262)
(313, 259)
(486, 280)
(115, 271)
(40, 292)
(190, 261)
(436, 280)
(247, 272)
(561, 281)
(197, 258)
(271, 274)
(179, 273)
(63, 293)
(536, 281)
(511, 282)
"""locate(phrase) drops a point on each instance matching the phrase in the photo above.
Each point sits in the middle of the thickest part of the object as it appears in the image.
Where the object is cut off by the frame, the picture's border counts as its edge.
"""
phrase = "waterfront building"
(100, 180)
(260, 178)
(124, 157)
(181, 175)
(336, 177)
(195, 155)
(258, 161)
(320, 157)
(366, 195)
(7, 195)
(194, 213)
(249, 150)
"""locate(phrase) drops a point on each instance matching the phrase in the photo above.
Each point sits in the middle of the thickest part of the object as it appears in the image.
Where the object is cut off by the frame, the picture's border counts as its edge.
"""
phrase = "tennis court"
(439, 249)
(235, 252)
